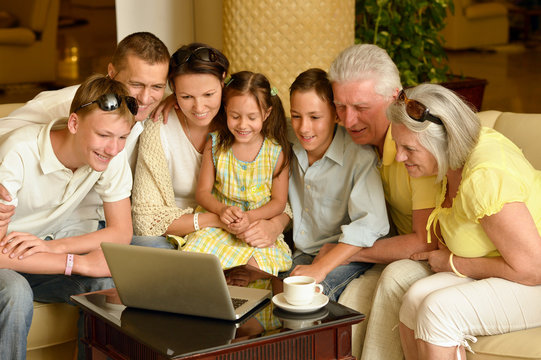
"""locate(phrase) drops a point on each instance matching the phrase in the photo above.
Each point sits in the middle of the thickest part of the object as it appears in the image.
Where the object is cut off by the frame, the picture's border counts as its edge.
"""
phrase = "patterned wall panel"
(281, 38)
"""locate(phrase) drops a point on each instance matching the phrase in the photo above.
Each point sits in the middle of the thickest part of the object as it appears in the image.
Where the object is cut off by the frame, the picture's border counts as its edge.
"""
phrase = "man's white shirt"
(45, 108)
(44, 191)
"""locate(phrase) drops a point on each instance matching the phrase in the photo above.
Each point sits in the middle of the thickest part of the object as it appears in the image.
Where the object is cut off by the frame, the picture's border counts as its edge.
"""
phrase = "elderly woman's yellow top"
(495, 173)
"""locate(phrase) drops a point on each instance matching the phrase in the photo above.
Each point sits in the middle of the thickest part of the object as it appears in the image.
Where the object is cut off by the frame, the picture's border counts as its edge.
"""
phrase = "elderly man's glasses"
(111, 102)
(201, 53)
(416, 110)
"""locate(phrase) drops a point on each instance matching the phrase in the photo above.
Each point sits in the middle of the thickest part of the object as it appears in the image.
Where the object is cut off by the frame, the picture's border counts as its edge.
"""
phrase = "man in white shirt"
(48, 170)
(141, 63)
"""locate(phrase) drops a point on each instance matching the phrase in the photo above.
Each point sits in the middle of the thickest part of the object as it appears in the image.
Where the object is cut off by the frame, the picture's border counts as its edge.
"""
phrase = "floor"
(87, 38)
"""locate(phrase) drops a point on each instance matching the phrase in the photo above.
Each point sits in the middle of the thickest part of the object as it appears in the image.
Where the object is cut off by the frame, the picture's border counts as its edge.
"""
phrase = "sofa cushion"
(515, 345)
(52, 324)
(523, 130)
(488, 118)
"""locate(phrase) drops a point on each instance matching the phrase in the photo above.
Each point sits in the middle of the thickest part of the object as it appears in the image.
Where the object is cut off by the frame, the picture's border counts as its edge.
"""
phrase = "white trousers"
(382, 340)
(446, 310)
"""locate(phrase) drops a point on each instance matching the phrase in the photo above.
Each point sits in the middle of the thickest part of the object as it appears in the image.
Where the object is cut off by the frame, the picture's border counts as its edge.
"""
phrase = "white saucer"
(319, 301)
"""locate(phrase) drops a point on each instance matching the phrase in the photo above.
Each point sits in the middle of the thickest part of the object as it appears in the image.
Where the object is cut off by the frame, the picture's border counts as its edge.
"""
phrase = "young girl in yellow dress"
(244, 175)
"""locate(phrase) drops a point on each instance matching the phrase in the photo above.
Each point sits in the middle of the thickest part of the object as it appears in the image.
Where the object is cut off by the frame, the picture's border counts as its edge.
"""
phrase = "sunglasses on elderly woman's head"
(111, 102)
(201, 53)
(416, 110)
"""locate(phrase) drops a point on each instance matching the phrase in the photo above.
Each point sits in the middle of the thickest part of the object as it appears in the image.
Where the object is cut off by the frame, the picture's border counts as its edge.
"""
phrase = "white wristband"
(196, 221)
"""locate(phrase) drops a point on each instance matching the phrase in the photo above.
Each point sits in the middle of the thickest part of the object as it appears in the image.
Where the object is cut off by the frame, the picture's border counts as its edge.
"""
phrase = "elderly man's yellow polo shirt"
(402, 192)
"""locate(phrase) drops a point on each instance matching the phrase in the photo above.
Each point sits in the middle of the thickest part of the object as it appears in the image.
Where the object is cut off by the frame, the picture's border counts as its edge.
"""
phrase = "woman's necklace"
(190, 134)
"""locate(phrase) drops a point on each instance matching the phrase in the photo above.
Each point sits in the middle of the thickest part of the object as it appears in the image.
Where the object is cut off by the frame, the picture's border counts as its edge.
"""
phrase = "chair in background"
(28, 51)
(476, 24)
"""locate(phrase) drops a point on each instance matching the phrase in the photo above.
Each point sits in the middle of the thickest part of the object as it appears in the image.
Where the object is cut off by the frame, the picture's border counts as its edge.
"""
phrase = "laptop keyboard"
(238, 302)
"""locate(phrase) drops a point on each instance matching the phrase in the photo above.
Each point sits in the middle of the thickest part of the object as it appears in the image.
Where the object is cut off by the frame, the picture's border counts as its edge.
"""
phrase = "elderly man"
(365, 82)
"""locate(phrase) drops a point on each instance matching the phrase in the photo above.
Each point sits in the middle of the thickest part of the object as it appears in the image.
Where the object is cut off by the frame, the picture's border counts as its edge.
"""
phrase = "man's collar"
(389, 149)
(335, 151)
(48, 160)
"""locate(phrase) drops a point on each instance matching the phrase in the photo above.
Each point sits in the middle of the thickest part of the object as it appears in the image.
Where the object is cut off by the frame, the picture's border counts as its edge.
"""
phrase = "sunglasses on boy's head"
(111, 102)
(416, 110)
(201, 53)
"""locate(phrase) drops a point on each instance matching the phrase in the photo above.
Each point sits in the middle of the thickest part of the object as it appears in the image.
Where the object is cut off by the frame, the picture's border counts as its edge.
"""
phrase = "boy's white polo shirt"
(45, 191)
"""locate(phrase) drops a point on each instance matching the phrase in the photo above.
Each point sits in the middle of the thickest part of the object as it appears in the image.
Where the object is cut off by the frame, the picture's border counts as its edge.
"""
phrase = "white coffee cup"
(300, 290)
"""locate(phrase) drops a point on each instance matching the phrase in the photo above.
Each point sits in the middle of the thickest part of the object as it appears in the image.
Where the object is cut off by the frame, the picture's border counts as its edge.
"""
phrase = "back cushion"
(524, 130)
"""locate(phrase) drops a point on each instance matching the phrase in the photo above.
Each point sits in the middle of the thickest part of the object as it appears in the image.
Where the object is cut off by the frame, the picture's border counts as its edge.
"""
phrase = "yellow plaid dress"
(246, 185)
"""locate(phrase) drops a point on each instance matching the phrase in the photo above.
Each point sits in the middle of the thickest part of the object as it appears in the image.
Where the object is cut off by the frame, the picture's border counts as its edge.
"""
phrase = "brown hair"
(144, 45)
(314, 79)
(94, 87)
(194, 65)
(274, 127)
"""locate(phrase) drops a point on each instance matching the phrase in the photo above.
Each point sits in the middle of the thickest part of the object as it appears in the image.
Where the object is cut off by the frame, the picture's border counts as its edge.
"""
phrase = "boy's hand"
(21, 245)
(6, 211)
(260, 234)
(240, 225)
(309, 270)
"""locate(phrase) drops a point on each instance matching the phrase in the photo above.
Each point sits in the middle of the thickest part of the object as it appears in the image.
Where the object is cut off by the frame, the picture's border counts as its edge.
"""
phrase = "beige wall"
(279, 38)
(175, 22)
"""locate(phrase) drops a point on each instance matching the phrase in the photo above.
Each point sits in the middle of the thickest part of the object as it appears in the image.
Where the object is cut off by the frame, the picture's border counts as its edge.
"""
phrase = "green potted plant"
(410, 32)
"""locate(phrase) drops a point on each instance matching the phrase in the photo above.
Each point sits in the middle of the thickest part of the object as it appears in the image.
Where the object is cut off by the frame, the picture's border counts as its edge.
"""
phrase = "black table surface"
(179, 335)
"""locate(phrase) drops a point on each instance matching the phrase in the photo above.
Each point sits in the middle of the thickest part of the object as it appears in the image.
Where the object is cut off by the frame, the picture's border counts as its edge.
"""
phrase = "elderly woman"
(487, 220)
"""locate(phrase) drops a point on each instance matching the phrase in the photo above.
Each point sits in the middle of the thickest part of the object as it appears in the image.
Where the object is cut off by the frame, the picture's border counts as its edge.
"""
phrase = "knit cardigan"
(153, 198)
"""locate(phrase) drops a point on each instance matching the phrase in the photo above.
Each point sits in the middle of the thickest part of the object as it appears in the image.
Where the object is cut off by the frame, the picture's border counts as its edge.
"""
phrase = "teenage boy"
(141, 63)
(335, 190)
(48, 170)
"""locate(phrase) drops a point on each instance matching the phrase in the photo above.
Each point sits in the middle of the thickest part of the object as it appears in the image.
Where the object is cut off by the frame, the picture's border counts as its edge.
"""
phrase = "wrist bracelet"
(69, 265)
(196, 221)
(454, 268)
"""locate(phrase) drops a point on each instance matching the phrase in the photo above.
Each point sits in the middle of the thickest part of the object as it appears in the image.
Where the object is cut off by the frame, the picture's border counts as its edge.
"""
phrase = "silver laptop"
(179, 282)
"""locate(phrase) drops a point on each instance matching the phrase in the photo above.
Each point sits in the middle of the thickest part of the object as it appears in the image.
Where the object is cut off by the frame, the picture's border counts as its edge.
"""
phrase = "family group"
(364, 171)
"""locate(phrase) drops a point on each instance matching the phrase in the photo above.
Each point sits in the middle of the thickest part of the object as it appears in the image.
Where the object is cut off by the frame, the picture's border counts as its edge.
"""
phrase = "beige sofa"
(524, 130)
(53, 334)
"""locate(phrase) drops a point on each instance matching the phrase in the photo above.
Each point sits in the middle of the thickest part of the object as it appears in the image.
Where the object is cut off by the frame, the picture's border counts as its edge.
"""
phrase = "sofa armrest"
(17, 36)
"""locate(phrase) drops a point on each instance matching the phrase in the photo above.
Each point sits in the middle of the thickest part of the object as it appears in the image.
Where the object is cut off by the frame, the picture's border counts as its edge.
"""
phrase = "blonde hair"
(450, 143)
(94, 87)
(363, 62)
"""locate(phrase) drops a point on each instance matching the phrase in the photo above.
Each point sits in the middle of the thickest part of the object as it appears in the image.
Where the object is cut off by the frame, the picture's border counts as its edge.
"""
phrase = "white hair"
(452, 143)
(366, 61)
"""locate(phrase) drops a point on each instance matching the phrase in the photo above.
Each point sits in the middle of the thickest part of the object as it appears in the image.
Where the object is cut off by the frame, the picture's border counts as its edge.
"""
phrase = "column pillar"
(282, 38)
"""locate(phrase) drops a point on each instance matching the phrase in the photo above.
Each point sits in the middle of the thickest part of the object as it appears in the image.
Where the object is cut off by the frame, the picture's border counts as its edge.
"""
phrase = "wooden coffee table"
(118, 332)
